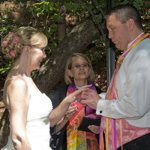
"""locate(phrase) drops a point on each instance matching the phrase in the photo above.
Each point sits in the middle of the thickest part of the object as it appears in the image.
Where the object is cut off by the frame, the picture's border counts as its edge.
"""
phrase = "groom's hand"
(90, 97)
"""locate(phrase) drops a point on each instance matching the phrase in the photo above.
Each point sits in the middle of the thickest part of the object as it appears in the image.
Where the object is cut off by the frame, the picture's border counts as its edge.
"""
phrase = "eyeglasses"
(78, 66)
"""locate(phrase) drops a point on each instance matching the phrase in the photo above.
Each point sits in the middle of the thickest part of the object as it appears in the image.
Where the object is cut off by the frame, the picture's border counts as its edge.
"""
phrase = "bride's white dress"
(38, 125)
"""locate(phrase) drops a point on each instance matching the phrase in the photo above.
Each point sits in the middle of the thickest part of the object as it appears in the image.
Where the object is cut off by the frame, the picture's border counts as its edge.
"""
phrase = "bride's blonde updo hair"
(14, 42)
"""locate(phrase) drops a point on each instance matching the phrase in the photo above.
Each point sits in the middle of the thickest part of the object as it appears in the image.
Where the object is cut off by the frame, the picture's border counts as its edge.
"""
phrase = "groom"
(126, 108)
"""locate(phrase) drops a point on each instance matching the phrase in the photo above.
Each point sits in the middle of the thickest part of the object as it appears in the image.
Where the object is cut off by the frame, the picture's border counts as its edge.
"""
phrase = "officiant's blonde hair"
(68, 78)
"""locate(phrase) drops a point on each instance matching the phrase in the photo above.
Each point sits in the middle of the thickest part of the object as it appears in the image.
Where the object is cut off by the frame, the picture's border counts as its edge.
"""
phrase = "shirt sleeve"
(135, 102)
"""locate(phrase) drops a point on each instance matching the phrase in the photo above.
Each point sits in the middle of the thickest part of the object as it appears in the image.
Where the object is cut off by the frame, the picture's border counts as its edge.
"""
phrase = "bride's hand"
(76, 94)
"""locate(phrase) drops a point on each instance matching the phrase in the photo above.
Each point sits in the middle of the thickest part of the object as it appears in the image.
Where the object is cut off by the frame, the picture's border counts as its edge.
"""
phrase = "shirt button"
(100, 111)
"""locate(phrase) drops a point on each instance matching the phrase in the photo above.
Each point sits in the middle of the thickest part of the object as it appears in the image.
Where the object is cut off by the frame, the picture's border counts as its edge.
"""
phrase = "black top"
(58, 140)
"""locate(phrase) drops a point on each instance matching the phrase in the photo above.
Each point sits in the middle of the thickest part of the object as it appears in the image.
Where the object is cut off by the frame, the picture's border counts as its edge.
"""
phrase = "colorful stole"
(77, 140)
(109, 126)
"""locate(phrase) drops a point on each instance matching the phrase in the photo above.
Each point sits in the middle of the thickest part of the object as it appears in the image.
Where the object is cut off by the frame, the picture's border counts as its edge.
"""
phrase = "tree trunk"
(76, 41)
(61, 29)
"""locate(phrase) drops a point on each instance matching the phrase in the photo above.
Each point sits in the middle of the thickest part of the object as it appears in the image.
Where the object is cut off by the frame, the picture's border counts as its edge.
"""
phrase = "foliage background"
(57, 19)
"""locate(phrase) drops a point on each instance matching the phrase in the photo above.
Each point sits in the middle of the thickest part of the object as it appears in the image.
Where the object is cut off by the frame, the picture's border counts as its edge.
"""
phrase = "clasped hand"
(85, 95)
(90, 97)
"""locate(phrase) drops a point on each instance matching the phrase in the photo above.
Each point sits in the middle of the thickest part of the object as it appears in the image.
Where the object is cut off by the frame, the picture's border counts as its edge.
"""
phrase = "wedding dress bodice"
(38, 125)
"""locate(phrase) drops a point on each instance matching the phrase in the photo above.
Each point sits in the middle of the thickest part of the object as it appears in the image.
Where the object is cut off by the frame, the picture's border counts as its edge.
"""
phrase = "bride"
(30, 110)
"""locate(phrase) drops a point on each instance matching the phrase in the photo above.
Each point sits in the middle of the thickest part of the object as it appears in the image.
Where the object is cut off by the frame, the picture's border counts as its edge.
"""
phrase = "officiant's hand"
(94, 128)
(70, 112)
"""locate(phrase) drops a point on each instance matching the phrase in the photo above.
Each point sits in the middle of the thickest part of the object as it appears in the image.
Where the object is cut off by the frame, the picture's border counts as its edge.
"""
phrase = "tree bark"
(76, 41)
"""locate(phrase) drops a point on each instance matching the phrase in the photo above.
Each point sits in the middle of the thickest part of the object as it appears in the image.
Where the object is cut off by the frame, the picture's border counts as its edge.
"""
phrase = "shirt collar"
(134, 39)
